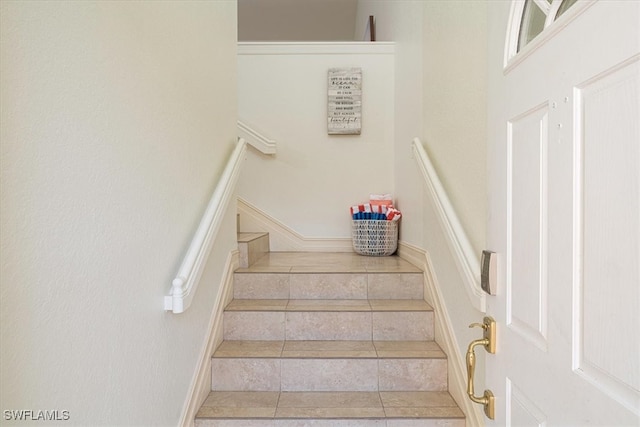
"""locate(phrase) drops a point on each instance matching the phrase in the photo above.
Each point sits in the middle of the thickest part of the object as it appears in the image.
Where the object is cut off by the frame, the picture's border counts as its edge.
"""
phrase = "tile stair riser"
(294, 325)
(328, 286)
(261, 286)
(243, 255)
(359, 374)
(253, 249)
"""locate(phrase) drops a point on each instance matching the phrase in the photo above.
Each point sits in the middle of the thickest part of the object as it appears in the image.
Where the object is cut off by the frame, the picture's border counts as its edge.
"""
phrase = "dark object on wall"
(372, 27)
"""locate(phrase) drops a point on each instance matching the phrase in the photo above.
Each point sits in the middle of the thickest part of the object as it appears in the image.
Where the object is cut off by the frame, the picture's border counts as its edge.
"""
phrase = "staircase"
(327, 339)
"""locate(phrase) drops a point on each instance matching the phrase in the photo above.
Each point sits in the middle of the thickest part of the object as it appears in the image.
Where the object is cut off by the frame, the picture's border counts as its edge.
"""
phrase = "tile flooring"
(329, 340)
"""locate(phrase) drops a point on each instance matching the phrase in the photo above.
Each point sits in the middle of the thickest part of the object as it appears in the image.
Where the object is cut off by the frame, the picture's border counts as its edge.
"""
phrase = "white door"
(564, 168)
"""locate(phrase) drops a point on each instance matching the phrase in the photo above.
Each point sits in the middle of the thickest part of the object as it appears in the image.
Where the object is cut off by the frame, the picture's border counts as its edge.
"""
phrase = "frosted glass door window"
(538, 15)
(532, 24)
(566, 4)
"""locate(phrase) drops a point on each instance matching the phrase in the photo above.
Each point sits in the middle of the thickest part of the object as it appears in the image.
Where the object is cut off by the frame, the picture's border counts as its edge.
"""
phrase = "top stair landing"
(327, 262)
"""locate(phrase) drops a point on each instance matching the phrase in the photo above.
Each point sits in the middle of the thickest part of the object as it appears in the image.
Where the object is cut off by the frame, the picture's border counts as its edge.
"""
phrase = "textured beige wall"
(454, 43)
(455, 106)
(441, 49)
(296, 20)
(117, 119)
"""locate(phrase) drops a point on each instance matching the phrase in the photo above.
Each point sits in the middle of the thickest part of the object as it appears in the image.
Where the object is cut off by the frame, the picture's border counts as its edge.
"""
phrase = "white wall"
(117, 118)
(455, 135)
(314, 178)
(296, 20)
(455, 105)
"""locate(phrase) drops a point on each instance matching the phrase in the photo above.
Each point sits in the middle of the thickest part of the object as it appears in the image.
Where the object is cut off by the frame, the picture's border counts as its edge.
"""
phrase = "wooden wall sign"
(344, 102)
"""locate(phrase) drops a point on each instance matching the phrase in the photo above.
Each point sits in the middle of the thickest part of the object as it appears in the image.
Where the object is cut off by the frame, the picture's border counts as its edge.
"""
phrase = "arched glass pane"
(532, 23)
(566, 4)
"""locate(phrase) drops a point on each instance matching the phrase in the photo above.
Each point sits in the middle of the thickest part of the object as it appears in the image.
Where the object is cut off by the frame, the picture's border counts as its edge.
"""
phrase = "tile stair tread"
(245, 237)
(329, 405)
(327, 305)
(328, 262)
(292, 349)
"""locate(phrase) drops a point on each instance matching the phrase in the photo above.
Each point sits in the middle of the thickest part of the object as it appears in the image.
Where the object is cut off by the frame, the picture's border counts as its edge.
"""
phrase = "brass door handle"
(489, 343)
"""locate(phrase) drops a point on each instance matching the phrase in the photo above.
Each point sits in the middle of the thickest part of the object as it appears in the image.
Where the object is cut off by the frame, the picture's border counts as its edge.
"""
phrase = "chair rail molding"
(315, 48)
(256, 139)
(186, 282)
(466, 260)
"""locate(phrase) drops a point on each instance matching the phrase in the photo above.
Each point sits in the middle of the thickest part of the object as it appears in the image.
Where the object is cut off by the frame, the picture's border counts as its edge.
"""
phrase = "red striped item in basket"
(381, 199)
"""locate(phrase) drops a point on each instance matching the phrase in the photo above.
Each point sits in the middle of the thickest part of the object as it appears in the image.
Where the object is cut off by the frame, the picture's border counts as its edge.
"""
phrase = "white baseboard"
(283, 238)
(201, 383)
(445, 336)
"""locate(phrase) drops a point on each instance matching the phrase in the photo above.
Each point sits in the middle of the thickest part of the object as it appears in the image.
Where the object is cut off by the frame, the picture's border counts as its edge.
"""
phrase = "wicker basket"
(375, 237)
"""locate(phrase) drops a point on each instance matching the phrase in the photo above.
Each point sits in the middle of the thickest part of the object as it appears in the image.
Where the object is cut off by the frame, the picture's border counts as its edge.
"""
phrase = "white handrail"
(468, 263)
(186, 282)
(256, 139)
